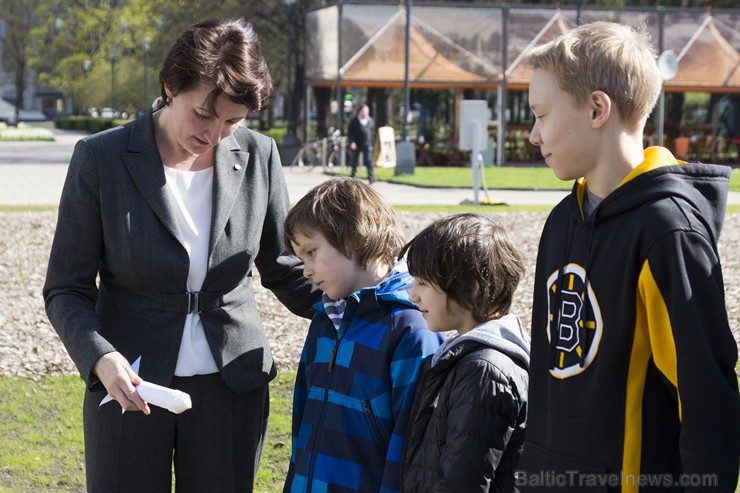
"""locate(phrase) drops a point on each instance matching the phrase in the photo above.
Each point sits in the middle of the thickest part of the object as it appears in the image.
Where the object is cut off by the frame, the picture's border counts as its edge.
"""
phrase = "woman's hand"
(115, 372)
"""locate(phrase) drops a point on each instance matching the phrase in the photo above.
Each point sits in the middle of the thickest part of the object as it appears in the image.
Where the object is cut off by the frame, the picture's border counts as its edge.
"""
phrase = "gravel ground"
(29, 345)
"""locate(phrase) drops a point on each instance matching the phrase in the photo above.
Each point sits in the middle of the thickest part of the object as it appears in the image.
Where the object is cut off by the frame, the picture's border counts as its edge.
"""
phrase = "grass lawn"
(24, 132)
(505, 177)
(42, 443)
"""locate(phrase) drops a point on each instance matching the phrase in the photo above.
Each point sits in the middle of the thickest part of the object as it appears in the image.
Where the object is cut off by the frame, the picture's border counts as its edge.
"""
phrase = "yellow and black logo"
(573, 306)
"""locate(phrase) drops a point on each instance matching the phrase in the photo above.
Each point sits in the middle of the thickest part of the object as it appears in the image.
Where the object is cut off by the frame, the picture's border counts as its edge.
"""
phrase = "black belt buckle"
(194, 302)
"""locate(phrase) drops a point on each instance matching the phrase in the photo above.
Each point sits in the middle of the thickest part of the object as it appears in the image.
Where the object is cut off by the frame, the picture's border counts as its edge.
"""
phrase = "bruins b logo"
(572, 307)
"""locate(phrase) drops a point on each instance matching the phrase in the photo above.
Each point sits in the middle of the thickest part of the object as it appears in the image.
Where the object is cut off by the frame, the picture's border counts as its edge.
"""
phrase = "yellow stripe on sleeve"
(661, 331)
(653, 337)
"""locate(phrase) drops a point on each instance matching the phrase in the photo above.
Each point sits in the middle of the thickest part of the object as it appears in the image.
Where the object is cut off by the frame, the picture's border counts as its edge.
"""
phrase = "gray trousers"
(215, 446)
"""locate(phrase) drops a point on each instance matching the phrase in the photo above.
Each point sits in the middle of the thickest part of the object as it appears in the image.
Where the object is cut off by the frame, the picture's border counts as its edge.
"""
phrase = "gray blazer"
(116, 224)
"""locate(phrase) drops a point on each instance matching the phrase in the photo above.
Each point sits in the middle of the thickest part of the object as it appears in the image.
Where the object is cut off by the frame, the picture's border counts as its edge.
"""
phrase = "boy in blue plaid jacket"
(365, 346)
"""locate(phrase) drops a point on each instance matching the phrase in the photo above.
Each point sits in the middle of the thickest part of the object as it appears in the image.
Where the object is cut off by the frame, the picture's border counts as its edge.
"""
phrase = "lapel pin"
(237, 167)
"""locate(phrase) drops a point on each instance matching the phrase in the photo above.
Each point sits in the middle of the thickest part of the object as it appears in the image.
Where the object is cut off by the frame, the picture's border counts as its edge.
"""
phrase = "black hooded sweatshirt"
(632, 377)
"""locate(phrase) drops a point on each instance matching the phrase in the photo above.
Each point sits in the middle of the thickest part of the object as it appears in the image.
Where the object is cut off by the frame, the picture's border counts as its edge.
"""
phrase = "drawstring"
(582, 330)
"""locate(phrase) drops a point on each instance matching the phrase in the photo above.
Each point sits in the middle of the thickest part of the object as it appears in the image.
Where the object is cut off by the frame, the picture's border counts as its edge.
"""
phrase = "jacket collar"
(144, 165)
(230, 167)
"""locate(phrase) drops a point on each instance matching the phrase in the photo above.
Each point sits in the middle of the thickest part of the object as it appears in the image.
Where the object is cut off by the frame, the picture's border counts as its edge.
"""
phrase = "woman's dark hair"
(225, 53)
(472, 259)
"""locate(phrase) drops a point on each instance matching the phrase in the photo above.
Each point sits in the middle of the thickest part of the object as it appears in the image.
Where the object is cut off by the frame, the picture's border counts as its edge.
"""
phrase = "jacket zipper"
(312, 462)
(333, 356)
(377, 430)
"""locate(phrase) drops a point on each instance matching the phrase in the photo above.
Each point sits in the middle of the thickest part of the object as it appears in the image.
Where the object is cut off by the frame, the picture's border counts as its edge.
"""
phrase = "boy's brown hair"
(472, 259)
(608, 57)
(353, 218)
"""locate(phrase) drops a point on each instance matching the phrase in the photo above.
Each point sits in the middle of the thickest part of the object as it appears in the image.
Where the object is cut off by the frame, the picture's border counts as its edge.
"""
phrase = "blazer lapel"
(145, 168)
(229, 170)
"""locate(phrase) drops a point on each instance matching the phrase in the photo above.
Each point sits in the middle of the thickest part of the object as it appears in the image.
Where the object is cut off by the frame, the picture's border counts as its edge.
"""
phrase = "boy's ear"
(600, 106)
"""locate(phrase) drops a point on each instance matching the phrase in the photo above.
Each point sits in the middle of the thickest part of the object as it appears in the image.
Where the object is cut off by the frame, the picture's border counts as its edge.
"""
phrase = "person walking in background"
(161, 223)
(361, 135)
(360, 363)
(467, 423)
(632, 376)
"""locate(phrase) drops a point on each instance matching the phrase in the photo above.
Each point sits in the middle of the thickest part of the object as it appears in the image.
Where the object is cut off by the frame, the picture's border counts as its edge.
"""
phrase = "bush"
(87, 123)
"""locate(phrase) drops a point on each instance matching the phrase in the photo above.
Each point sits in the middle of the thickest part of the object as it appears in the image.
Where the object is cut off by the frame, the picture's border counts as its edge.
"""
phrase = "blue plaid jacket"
(354, 391)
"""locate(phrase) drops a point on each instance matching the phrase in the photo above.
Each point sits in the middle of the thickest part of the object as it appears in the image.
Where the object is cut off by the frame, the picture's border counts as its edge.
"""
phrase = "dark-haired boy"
(467, 425)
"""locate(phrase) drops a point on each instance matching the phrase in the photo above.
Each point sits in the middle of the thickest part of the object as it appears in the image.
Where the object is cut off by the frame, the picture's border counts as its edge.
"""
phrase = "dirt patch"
(29, 345)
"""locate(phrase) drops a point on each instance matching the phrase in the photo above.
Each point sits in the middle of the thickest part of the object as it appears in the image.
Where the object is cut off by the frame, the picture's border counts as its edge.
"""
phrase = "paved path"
(32, 173)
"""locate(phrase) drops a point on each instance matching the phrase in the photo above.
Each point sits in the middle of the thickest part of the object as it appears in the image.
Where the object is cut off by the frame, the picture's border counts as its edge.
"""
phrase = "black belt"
(191, 302)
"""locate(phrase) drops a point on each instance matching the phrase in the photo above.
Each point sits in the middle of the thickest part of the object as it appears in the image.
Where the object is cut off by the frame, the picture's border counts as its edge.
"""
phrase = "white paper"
(171, 399)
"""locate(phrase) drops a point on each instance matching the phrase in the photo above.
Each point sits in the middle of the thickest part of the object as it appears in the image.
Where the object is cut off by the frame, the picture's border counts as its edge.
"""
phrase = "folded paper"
(171, 399)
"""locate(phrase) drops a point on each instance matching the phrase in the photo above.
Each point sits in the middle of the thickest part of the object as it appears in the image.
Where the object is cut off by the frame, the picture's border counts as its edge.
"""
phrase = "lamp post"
(113, 55)
(406, 85)
(147, 46)
(290, 138)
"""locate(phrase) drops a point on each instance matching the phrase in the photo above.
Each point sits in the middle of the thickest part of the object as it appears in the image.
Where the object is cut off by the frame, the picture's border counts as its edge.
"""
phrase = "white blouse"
(192, 193)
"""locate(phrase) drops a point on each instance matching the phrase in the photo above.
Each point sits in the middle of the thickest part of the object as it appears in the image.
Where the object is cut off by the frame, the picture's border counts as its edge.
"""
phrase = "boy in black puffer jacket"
(467, 423)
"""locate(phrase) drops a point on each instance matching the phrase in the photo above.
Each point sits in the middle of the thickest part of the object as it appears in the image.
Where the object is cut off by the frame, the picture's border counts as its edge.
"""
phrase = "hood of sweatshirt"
(505, 334)
(660, 175)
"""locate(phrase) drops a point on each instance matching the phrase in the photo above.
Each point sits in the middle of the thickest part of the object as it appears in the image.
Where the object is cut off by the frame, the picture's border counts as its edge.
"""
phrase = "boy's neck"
(467, 322)
(376, 272)
(619, 155)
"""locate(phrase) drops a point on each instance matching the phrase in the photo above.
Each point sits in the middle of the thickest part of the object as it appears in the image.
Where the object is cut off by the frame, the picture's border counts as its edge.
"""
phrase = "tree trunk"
(322, 96)
(20, 89)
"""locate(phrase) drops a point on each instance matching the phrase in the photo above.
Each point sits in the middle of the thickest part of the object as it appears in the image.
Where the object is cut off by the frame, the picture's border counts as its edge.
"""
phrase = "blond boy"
(632, 381)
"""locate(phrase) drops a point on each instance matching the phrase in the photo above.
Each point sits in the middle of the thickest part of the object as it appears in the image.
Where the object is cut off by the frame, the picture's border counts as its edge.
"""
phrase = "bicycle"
(340, 156)
(310, 155)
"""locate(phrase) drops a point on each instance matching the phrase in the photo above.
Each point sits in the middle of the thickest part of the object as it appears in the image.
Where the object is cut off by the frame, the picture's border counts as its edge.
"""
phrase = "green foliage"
(277, 133)
(111, 35)
(87, 123)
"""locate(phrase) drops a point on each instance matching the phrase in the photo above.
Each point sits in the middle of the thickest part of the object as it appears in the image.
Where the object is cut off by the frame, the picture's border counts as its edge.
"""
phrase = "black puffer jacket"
(466, 430)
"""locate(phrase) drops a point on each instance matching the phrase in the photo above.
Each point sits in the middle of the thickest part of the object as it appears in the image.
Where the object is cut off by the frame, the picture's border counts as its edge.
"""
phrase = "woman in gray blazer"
(161, 222)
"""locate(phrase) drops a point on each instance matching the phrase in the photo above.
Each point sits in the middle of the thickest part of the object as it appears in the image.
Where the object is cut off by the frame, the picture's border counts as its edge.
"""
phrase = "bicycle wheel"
(308, 157)
(312, 156)
(335, 162)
